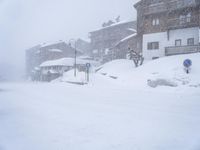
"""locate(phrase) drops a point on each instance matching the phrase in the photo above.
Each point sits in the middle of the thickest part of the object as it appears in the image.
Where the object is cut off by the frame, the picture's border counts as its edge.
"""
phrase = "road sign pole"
(187, 64)
(88, 78)
(88, 65)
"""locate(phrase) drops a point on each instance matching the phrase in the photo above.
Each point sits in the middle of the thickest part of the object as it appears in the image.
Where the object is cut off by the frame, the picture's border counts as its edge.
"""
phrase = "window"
(182, 19)
(185, 18)
(188, 17)
(153, 45)
(178, 42)
(155, 21)
(190, 41)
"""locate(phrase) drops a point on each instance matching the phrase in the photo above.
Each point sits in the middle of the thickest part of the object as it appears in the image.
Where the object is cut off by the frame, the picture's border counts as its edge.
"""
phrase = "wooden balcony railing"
(183, 22)
(155, 8)
(177, 4)
(175, 50)
(169, 5)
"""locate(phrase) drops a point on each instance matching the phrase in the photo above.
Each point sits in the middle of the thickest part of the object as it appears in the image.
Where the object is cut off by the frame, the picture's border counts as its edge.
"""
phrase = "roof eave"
(137, 4)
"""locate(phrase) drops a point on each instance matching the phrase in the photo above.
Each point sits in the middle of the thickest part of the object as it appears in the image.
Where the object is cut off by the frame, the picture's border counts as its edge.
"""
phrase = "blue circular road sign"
(88, 65)
(187, 63)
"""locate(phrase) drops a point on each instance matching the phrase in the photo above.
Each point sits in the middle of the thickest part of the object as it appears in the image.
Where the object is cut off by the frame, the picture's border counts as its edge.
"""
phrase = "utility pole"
(75, 54)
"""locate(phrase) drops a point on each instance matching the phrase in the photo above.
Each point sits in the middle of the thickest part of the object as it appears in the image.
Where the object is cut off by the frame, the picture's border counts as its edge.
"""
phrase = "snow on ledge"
(128, 37)
(55, 50)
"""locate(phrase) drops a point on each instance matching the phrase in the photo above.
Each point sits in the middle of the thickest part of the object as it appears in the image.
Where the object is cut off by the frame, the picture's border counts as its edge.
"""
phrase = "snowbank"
(168, 68)
(105, 115)
(116, 68)
(70, 78)
(61, 116)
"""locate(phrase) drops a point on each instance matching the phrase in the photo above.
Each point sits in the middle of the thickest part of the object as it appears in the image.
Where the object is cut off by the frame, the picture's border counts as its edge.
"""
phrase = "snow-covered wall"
(199, 35)
(162, 38)
(184, 35)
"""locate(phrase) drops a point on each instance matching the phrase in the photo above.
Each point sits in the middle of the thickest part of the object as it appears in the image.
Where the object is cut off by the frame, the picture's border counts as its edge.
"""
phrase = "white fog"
(99, 74)
(26, 23)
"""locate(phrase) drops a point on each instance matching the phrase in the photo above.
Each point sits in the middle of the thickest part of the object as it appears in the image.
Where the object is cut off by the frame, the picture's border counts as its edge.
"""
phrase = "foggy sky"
(25, 23)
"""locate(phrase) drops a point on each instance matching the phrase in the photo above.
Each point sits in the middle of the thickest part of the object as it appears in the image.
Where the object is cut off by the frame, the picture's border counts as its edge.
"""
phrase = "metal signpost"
(187, 64)
(88, 65)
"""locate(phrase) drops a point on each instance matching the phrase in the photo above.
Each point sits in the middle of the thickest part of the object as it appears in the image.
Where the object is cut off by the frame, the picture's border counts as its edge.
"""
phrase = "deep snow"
(106, 114)
(169, 68)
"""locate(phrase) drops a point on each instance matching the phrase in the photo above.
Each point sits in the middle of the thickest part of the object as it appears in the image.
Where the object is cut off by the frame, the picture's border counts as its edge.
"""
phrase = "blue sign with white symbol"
(88, 65)
(187, 63)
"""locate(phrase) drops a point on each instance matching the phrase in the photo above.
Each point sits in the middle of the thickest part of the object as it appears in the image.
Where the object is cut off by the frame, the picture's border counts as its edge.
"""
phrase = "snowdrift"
(168, 68)
(104, 114)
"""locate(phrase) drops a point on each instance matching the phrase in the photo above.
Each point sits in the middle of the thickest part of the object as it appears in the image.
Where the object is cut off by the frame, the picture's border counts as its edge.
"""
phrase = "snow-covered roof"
(58, 62)
(125, 39)
(36, 68)
(131, 29)
(85, 57)
(51, 43)
(128, 37)
(66, 62)
(112, 25)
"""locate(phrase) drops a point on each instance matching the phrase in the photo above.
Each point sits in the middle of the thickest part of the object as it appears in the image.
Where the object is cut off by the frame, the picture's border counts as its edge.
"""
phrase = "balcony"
(176, 50)
(183, 22)
(177, 4)
(169, 5)
(155, 8)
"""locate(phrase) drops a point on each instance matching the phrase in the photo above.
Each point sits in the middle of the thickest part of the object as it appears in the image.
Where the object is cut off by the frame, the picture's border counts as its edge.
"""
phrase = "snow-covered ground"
(169, 68)
(117, 110)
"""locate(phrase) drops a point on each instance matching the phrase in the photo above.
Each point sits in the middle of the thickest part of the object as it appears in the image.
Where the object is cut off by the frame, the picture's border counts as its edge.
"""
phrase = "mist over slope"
(10, 72)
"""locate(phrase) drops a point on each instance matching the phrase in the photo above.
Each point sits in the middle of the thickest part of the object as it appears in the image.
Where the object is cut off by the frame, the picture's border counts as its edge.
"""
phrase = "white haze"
(25, 23)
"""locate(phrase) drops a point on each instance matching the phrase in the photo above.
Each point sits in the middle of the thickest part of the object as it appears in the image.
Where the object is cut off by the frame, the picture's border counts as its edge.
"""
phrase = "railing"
(175, 50)
(169, 5)
(176, 4)
(182, 22)
(155, 8)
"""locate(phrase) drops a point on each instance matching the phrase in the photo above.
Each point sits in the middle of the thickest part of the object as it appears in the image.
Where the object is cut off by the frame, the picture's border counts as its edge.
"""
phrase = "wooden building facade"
(168, 27)
(105, 40)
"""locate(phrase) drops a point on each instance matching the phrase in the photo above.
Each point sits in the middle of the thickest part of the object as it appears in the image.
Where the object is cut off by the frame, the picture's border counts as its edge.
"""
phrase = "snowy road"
(71, 117)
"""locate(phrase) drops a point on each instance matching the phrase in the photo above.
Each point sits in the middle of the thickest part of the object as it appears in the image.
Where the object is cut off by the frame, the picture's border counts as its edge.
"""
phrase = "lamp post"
(75, 53)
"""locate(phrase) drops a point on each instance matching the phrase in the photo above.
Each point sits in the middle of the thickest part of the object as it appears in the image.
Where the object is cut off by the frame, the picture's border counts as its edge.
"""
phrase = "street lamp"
(75, 53)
